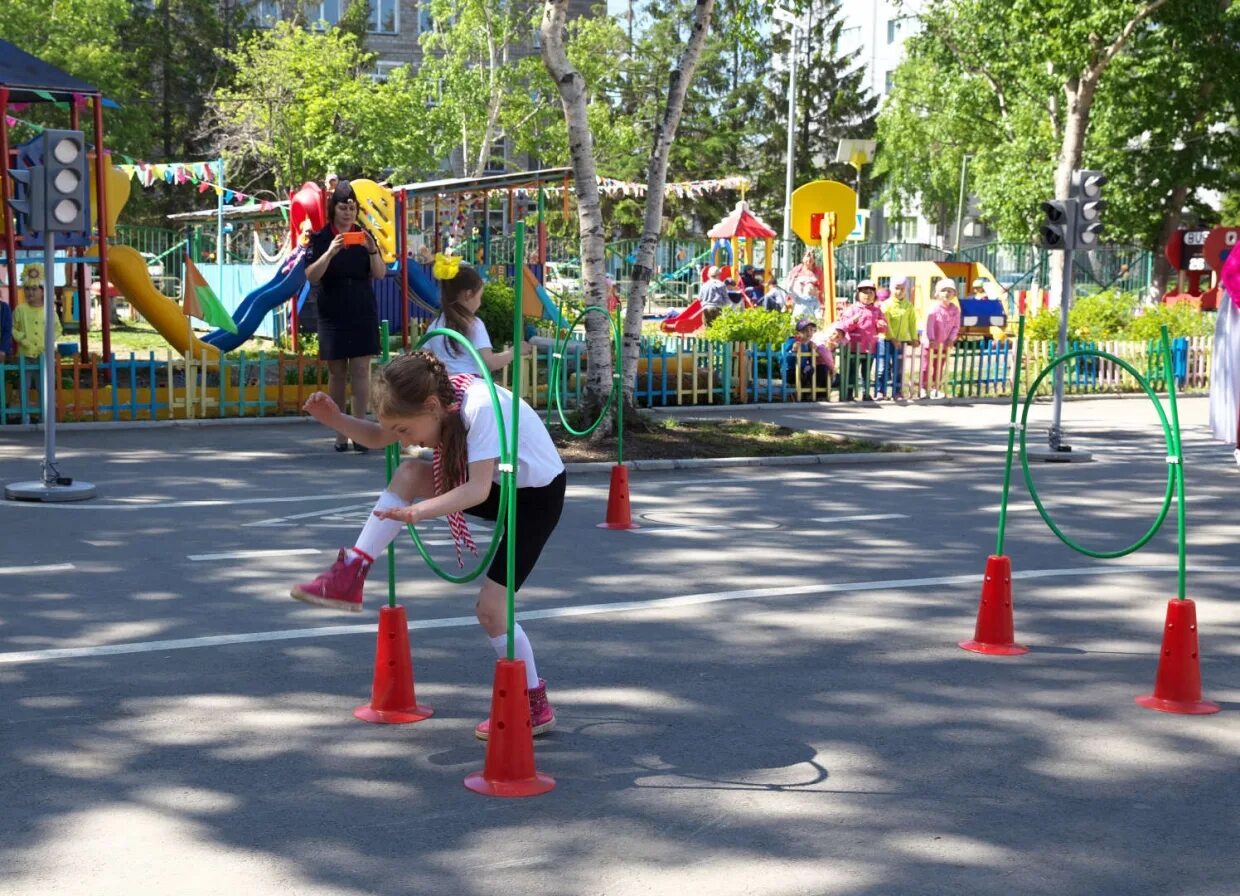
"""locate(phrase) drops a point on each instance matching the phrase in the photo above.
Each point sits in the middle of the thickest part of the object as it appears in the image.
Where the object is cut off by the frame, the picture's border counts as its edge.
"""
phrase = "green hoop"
(504, 457)
(553, 374)
(1167, 434)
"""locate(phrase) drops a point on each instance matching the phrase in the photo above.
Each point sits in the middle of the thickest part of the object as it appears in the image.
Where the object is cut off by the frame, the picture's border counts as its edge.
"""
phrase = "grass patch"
(729, 437)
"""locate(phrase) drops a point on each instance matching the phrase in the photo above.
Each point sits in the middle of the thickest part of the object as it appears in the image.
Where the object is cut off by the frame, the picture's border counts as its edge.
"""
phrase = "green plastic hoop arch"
(504, 457)
(556, 361)
(1172, 451)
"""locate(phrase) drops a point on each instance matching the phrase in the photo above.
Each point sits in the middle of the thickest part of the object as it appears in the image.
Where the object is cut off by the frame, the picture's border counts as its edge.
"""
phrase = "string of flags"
(202, 174)
(610, 186)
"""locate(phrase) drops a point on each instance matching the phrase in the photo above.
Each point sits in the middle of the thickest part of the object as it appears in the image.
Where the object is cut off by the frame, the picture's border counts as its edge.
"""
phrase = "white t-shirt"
(457, 358)
(538, 461)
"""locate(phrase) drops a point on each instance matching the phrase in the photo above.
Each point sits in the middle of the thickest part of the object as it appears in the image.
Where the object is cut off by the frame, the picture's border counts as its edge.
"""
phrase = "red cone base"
(995, 633)
(618, 516)
(509, 768)
(392, 701)
(1177, 686)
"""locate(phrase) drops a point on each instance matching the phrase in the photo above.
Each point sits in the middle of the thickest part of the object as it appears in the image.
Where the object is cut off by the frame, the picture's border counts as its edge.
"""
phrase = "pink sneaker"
(542, 716)
(340, 587)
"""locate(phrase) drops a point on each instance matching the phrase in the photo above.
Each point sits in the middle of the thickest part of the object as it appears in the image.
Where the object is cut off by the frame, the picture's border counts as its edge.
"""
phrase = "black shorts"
(538, 511)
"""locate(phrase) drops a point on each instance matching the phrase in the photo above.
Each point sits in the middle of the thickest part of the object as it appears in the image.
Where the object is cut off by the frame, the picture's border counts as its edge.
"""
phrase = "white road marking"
(35, 570)
(661, 603)
(246, 555)
(139, 504)
(860, 518)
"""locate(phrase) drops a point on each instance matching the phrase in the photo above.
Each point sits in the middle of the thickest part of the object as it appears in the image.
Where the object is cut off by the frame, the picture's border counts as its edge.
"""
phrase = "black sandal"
(342, 446)
(360, 449)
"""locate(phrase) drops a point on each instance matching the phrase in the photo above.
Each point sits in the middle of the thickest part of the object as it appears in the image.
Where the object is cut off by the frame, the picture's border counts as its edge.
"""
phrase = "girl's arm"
(365, 432)
(470, 493)
(497, 360)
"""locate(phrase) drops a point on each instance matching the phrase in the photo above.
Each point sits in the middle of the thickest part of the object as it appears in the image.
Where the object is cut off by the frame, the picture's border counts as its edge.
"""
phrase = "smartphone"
(354, 238)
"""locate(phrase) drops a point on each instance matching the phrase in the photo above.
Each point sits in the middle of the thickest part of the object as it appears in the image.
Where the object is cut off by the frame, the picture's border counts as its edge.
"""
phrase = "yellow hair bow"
(446, 266)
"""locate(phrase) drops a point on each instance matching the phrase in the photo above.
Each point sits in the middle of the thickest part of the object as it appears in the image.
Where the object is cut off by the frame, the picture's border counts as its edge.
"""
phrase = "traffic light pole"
(1054, 435)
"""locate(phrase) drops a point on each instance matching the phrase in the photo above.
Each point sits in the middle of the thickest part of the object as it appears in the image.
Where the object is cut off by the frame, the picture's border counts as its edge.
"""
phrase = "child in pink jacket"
(861, 323)
(942, 329)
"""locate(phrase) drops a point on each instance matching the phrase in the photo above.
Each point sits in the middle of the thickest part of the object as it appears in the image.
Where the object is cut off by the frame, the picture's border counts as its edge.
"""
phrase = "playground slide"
(422, 288)
(128, 273)
(286, 284)
(686, 321)
(535, 302)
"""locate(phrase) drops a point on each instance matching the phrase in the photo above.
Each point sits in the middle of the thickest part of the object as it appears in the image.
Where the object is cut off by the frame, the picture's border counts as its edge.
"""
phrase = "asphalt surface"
(759, 691)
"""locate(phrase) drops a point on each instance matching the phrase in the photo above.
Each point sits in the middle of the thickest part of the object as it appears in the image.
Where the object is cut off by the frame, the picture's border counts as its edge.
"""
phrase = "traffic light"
(67, 178)
(28, 200)
(1087, 191)
(1060, 222)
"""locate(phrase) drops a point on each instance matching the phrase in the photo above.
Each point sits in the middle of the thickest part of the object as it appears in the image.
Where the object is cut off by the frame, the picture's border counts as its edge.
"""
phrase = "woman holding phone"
(342, 260)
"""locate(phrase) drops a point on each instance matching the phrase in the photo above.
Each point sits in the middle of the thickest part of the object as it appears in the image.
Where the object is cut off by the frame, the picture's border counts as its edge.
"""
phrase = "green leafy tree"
(303, 103)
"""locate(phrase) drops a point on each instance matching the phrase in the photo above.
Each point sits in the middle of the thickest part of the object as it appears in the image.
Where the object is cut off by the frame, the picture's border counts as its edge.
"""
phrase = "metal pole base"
(74, 490)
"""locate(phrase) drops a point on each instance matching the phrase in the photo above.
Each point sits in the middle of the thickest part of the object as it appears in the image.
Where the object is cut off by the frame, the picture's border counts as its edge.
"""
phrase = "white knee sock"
(378, 533)
(521, 650)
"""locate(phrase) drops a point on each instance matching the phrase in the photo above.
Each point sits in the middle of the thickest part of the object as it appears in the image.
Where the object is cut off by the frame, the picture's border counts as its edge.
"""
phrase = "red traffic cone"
(618, 516)
(995, 633)
(1177, 686)
(509, 768)
(392, 701)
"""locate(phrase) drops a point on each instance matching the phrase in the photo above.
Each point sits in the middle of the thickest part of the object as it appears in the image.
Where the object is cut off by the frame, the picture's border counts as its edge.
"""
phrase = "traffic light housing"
(28, 199)
(1087, 191)
(1057, 230)
(67, 181)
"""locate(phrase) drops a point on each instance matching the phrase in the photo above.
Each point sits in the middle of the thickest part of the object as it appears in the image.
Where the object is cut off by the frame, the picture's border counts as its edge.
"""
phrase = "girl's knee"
(412, 479)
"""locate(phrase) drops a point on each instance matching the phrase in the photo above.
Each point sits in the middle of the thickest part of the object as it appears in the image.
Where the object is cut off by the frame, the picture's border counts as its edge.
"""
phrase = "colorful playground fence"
(672, 371)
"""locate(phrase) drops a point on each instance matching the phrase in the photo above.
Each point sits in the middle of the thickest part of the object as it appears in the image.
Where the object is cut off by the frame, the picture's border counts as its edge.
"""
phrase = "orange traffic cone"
(1177, 685)
(392, 701)
(618, 516)
(995, 632)
(509, 768)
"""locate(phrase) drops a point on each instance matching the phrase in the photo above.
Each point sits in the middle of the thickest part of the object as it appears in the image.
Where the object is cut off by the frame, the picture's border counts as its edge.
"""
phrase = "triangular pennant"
(200, 300)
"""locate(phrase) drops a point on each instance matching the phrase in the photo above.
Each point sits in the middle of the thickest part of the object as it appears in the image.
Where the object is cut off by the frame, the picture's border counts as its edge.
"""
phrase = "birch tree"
(573, 96)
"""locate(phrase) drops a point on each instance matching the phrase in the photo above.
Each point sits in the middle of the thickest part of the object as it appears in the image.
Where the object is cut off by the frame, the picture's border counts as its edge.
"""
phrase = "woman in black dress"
(348, 318)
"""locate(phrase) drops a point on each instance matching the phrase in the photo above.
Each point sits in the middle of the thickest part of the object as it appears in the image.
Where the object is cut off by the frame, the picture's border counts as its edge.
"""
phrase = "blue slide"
(422, 287)
(287, 283)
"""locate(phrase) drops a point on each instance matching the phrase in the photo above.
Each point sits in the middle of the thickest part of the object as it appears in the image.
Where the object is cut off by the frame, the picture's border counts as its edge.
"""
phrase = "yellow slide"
(128, 273)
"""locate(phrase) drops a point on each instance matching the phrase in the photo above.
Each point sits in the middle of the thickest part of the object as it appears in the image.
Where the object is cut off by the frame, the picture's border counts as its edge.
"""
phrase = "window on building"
(383, 69)
(903, 228)
(889, 83)
(850, 39)
(323, 12)
(425, 22)
(901, 27)
(499, 152)
(384, 17)
(266, 13)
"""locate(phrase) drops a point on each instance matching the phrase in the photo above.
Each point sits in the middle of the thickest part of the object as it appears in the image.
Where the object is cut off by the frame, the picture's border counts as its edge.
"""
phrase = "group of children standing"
(435, 398)
(872, 338)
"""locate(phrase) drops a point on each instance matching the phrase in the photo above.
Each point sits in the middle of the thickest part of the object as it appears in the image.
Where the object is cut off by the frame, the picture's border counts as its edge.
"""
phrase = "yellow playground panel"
(925, 274)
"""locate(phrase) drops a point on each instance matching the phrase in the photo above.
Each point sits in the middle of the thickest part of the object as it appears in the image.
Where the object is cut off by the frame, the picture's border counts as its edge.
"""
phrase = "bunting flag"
(200, 300)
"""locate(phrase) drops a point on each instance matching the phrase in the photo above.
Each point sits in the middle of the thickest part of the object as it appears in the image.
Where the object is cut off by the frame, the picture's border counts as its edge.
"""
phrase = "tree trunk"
(571, 86)
(572, 89)
(679, 80)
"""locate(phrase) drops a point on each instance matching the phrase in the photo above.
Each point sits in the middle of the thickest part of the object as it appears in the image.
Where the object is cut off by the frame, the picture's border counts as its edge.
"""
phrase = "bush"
(1104, 315)
(496, 312)
(750, 325)
(1181, 319)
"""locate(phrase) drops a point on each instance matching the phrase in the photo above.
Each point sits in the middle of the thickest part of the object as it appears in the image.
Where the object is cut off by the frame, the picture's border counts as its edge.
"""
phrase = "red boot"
(340, 587)
(542, 716)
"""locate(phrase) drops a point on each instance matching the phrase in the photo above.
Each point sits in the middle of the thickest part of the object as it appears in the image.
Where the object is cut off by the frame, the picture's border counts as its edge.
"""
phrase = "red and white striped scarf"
(456, 521)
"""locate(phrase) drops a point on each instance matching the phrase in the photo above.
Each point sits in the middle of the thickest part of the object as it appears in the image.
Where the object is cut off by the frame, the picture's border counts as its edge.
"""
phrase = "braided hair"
(402, 389)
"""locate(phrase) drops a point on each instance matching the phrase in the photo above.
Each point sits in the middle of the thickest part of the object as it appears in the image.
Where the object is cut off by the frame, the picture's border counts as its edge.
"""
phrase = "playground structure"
(1177, 687)
(735, 238)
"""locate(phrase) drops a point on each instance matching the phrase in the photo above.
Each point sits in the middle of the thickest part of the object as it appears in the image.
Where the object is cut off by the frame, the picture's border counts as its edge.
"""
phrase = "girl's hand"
(371, 245)
(320, 406)
(408, 515)
(337, 244)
